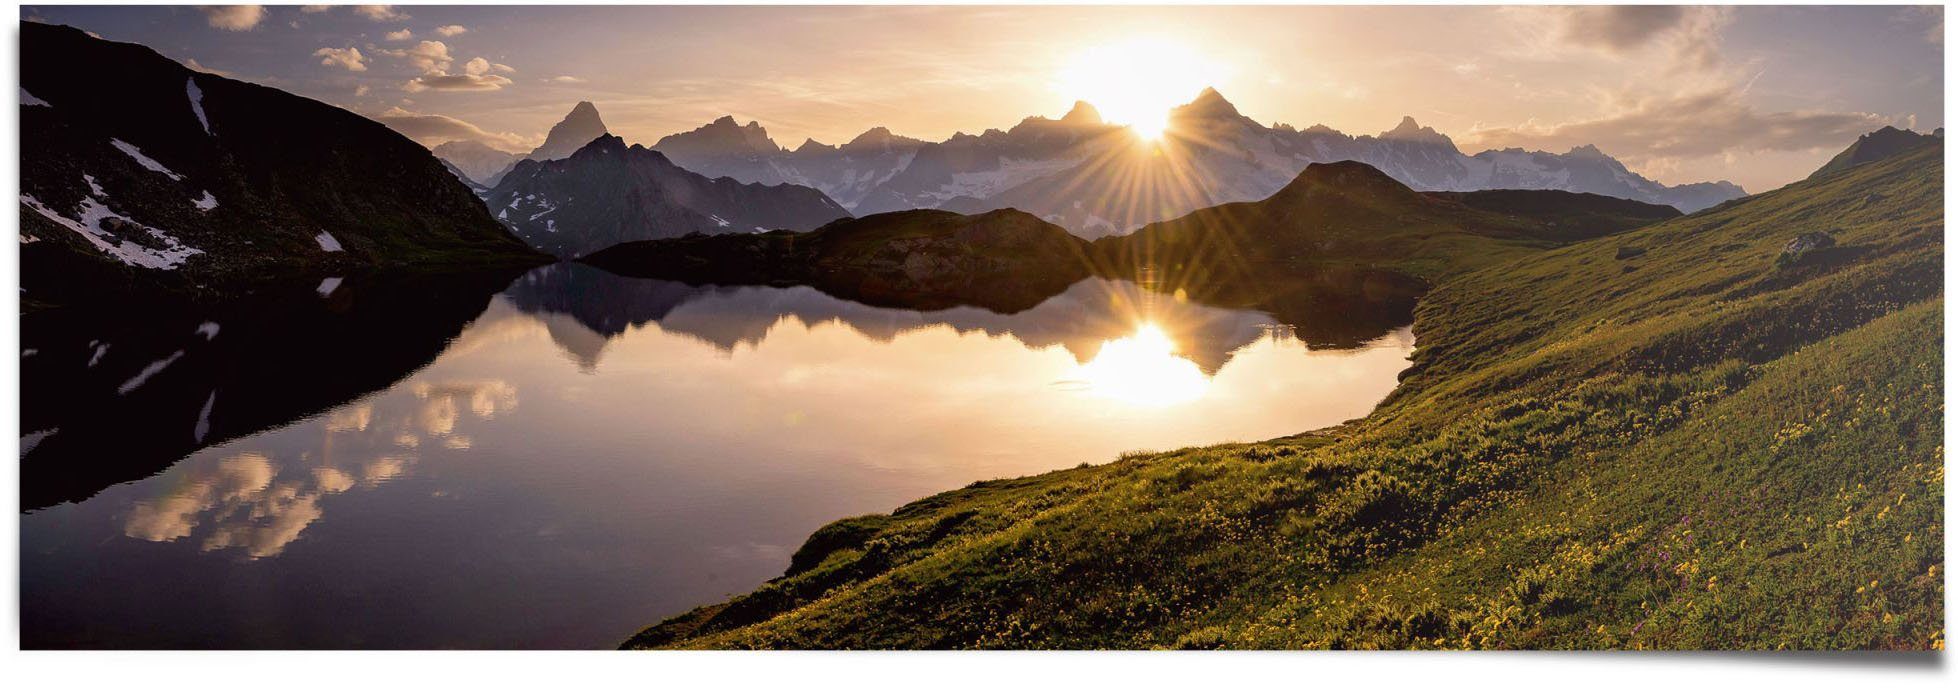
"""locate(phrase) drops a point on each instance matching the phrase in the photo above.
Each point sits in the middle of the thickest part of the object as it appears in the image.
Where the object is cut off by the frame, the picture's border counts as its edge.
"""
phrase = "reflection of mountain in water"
(117, 396)
(601, 305)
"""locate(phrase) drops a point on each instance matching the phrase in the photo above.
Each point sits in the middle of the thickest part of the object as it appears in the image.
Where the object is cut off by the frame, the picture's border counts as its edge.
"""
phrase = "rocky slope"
(609, 193)
(138, 173)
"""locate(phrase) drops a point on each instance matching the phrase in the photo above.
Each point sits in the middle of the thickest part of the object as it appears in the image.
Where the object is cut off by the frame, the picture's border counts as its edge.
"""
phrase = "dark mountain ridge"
(138, 173)
(609, 193)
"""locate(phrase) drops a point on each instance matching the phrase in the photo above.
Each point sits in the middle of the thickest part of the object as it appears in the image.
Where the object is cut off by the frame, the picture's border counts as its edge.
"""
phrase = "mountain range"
(1097, 178)
(607, 193)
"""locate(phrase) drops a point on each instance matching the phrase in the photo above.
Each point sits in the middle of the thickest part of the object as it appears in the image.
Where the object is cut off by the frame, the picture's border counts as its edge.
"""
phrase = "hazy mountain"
(138, 172)
(1098, 179)
(479, 163)
(607, 193)
(1877, 145)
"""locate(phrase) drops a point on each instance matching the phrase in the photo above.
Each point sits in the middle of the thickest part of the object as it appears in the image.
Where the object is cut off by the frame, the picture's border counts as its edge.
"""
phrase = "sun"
(1136, 81)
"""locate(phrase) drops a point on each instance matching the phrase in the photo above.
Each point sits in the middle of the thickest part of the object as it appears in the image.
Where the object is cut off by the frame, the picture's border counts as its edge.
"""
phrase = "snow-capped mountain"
(138, 172)
(879, 171)
(1098, 179)
(607, 193)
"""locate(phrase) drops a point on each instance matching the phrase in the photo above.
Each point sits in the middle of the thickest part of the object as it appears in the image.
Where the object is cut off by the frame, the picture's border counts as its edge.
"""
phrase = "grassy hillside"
(1688, 447)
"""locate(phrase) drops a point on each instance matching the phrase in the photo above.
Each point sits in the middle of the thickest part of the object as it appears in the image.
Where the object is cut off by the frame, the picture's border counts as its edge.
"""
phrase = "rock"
(1625, 252)
(1802, 246)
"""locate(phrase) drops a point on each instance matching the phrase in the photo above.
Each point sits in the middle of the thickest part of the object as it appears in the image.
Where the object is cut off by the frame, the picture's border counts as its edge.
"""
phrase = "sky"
(1757, 95)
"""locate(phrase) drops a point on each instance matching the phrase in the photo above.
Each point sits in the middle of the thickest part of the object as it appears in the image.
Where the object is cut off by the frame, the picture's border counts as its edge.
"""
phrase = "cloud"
(480, 66)
(194, 64)
(233, 17)
(401, 35)
(435, 129)
(349, 58)
(438, 81)
(379, 12)
(450, 30)
(314, 9)
(565, 79)
(1686, 37)
(427, 56)
(1931, 18)
(360, 90)
(1710, 122)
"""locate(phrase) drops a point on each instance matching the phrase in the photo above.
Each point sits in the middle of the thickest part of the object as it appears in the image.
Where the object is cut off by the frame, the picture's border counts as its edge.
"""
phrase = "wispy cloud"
(433, 129)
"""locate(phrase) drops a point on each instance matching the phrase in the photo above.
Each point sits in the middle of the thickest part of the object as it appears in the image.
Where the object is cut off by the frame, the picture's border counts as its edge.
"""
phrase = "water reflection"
(589, 453)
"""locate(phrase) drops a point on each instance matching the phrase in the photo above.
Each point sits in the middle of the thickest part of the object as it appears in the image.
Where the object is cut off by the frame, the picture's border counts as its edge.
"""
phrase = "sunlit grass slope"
(1688, 447)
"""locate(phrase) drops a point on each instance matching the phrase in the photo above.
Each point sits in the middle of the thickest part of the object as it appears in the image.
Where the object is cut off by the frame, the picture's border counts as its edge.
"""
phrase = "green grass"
(1689, 448)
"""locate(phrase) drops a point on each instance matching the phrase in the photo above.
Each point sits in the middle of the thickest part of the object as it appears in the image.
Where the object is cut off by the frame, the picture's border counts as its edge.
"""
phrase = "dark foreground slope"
(1005, 260)
(137, 173)
(1694, 446)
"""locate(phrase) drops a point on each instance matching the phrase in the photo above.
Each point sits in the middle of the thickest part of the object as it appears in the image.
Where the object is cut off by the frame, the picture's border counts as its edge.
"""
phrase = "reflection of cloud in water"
(440, 402)
(259, 504)
(248, 501)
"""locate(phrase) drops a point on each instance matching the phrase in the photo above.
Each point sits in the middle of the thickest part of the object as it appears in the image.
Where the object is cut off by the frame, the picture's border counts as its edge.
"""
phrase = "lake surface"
(558, 464)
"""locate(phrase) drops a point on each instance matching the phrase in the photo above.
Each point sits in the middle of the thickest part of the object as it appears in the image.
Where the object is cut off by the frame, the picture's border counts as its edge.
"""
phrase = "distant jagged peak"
(879, 140)
(577, 128)
(722, 136)
(1082, 114)
(1410, 130)
(1208, 105)
(1586, 151)
(811, 145)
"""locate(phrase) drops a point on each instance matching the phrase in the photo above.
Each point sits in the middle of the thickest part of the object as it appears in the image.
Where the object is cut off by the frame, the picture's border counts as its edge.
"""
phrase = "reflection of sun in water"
(1143, 369)
(1136, 82)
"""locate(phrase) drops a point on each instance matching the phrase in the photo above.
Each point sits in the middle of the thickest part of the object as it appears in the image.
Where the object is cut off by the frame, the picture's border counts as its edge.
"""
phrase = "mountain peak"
(1208, 105)
(1587, 150)
(577, 128)
(1410, 130)
(1082, 113)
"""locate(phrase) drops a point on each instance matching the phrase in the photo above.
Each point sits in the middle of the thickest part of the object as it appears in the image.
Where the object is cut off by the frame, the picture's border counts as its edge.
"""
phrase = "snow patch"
(94, 188)
(89, 225)
(328, 243)
(144, 160)
(328, 285)
(209, 330)
(149, 371)
(33, 439)
(28, 99)
(207, 203)
(197, 103)
(96, 357)
(719, 222)
(204, 418)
